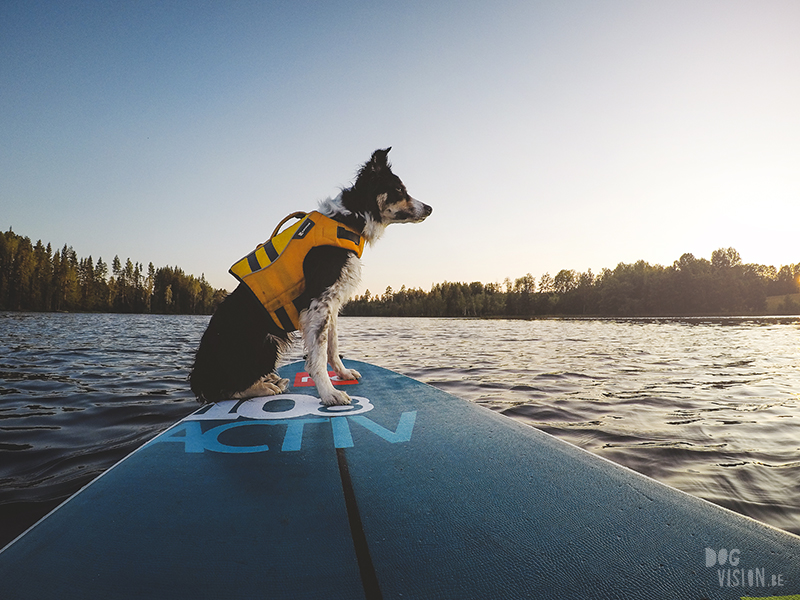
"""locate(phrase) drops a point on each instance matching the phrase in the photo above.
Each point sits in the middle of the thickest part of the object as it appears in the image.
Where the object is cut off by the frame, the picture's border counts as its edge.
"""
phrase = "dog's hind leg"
(333, 351)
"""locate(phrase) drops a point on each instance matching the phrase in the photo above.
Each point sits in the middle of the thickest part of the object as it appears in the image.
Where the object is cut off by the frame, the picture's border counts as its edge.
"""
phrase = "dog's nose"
(426, 210)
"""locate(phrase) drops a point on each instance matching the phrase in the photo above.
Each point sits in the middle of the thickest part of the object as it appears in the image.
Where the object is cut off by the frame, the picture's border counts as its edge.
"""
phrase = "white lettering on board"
(282, 406)
(189, 432)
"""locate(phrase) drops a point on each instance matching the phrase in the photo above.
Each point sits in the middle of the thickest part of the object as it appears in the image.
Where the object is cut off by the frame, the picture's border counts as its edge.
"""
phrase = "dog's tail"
(199, 380)
(237, 348)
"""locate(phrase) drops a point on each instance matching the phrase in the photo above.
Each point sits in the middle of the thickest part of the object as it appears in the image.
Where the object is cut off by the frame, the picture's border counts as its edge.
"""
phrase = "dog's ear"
(379, 159)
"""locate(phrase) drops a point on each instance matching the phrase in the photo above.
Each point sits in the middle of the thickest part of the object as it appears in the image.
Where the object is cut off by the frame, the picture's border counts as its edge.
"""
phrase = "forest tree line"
(35, 277)
(723, 285)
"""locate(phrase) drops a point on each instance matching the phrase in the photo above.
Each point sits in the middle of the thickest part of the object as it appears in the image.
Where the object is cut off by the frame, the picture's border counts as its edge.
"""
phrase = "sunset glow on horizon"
(545, 135)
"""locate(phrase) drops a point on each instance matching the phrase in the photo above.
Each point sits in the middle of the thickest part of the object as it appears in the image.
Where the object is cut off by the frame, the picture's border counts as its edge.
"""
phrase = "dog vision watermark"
(732, 571)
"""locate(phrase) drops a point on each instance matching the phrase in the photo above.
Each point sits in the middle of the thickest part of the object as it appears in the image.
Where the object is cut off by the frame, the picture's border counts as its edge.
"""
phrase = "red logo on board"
(303, 379)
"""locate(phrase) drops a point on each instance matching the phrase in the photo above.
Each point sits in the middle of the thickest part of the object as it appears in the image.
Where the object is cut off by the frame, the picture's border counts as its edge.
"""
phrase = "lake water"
(709, 406)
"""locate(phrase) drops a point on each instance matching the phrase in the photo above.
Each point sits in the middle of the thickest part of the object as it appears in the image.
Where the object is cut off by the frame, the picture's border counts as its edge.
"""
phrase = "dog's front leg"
(315, 325)
(333, 351)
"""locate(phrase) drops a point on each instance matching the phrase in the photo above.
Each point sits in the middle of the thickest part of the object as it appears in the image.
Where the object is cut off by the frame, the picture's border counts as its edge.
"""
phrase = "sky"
(549, 135)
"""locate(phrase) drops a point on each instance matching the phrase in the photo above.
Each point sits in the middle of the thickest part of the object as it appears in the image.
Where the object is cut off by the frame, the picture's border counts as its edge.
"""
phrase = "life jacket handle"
(297, 215)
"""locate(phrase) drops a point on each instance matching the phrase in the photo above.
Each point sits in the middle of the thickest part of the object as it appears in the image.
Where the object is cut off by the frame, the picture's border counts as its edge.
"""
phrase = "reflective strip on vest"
(274, 270)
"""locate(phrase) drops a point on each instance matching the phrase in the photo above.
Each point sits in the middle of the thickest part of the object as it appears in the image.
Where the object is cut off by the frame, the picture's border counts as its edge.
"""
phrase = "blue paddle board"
(407, 493)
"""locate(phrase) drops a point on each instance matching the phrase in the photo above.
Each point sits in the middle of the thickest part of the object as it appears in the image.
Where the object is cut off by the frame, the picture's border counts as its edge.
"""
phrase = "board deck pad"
(407, 493)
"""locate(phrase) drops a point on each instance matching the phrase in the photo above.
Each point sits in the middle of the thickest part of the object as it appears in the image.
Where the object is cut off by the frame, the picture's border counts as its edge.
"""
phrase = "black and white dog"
(239, 350)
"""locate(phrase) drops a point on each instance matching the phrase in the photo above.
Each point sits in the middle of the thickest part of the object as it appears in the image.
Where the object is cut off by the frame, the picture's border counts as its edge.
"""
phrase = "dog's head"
(380, 196)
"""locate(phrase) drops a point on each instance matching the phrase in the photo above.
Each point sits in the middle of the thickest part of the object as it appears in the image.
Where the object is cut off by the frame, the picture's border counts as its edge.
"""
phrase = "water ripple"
(710, 406)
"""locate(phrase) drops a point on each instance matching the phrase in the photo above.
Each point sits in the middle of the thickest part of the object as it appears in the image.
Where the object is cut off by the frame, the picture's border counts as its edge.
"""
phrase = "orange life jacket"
(274, 270)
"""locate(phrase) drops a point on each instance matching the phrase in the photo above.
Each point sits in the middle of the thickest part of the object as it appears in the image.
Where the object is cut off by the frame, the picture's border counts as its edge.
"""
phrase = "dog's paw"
(281, 384)
(274, 382)
(270, 385)
(348, 374)
(336, 398)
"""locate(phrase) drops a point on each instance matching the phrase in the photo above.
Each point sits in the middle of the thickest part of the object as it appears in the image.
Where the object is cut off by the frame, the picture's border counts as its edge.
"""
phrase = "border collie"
(239, 350)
